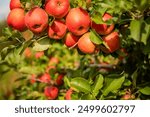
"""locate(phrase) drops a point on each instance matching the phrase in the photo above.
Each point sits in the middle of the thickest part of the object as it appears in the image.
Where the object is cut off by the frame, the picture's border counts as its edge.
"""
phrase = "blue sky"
(4, 9)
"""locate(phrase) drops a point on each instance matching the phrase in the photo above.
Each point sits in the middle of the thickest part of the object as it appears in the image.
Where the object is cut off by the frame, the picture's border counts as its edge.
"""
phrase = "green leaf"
(80, 84)
(95, 38)
(142, 4)
(127, 82)
(145, 32)
(98, 84)
(37, 2)
(98, 19)
(87, 97)
(112, 84)
(7, 32)
(146, 48)
(66, 82)
(7, 44)
(30, 70)
(134, 77)
(4, 68)
(135, 29)
(145, 90)
(25, 45)
(42, 44)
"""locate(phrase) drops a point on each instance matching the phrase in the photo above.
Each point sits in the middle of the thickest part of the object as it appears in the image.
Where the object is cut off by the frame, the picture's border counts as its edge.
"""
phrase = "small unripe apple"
(103, 29)
(36, 20)
(16, 19)
(15, 4)
(70, 39)
(45, 78)
(57, 30)
(78, 21)
(112, 41)
(85, 45)
(51, 92)
(57, 8)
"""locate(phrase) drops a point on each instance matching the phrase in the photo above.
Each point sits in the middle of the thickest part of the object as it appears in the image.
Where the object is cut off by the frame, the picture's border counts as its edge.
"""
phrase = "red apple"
(51, 92)
(16, 19)
(103, 29)
(78, 21)
(112, 41)
(45, 78)
(39, 54)
(57, 8)
(68, 94)
(126, 97)
(57, 30)
(59, 80)
(85, 44)
(70, 39)
(33, 79)
(27, 53)
(15, 4)
(53, 61)
(36, 20)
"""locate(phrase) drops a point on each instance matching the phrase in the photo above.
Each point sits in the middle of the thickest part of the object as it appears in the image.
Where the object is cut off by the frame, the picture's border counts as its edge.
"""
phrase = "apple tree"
(77, 49)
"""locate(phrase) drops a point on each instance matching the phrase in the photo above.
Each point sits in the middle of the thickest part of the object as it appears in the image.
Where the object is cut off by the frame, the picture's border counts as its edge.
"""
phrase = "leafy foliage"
(98, 76)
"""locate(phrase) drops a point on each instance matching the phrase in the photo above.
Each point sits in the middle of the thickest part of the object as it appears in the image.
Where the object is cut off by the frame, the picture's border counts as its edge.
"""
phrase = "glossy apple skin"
(57, 30)
(45, 78)
(85, 45)
(78, 21)
(103, 29)
(15, 4)
(112, 40)
(16, 19)
(70, 39)
(51, 92)
(68, 94)
(57, 8)
(36, 20)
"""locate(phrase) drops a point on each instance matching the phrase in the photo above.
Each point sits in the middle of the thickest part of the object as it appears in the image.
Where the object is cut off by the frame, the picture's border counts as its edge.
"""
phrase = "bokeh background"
(4, 9)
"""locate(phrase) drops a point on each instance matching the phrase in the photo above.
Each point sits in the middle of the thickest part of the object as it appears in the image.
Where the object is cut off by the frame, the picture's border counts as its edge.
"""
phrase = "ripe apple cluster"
(51, 78)
(51, 90)
(72, 25)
